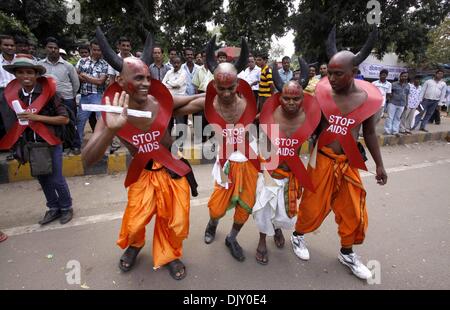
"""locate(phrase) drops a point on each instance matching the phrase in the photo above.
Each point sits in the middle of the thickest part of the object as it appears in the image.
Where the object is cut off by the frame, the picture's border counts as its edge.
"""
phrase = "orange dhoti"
(156, 193)
(338, 188)
(239, 193)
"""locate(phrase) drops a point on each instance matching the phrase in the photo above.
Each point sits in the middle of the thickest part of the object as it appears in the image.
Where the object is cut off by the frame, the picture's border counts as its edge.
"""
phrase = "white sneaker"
(352, 261)
(299, 247)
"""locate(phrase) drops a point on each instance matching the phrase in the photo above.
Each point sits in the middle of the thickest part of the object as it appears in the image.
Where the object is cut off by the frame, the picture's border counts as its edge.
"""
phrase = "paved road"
(409, 235)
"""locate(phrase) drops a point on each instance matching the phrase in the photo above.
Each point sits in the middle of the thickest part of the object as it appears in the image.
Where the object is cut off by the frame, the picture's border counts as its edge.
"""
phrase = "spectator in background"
(323, 71)
(252, 75)
(448, 98)
(285, 72)
(22, 45)
(124, 46)
(84, 51)
(398, 102)
(385, 87)
(93, 73)
(63, 53)
(358, 75)
(138, 54)
(222, 57)
(7, 49)
(158, 69)
(67, 82)
(413, 103)
(296, 76)
(266, 88)
(199, 59)
(172, 54)
(176, 79)
(201, 80)
(433, 92)
(313, 80)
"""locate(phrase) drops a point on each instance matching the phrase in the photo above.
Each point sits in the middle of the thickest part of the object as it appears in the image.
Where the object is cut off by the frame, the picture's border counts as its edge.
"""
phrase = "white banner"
(372, 71)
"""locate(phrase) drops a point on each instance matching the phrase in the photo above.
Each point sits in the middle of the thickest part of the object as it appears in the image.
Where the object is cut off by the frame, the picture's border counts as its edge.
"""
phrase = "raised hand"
(116, 121)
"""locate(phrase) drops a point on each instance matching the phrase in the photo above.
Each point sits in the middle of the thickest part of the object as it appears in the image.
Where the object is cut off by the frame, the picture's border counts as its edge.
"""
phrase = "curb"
(118, 162)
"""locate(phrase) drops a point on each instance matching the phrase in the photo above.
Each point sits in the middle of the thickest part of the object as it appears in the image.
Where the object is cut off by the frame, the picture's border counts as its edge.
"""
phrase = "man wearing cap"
(66, 77)
(39, 123)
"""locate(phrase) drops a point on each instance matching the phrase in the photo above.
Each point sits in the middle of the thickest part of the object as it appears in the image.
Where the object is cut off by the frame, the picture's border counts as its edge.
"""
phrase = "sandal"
(3, 236)
(177, 269)
(279, 238)
(263, 258)
(128, 258)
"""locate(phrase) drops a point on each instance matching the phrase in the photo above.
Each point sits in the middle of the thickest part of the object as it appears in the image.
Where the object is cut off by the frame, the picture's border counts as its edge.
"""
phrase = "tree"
(439, 49)
(403, 29)
(256, 21)
(184, 21)
(43, 18)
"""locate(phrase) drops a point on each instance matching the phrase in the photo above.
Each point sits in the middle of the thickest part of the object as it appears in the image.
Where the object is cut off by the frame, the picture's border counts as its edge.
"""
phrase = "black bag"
(40, 157)
(20, 152)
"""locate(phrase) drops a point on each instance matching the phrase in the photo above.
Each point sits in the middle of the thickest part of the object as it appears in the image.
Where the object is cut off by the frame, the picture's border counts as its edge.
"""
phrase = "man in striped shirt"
(265, 82)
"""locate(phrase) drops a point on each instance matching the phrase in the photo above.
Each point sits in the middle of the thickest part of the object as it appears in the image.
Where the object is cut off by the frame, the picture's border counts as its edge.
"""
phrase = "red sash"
(147, 142)
(287, 147)
(340, 126)
(233, 134)
(14, 133)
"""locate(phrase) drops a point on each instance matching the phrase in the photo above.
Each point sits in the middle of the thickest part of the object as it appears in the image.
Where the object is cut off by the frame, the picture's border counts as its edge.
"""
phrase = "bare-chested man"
(288, 119)
(346, 103)
(153, 189)
(230, 107)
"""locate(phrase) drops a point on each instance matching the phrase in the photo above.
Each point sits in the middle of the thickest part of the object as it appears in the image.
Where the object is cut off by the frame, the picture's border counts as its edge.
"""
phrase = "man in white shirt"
(124, 52)
(176, 79)
(7, 49)
(252, 75)
(285, 72)
(385, 88)
(413, 103)
(433, 92)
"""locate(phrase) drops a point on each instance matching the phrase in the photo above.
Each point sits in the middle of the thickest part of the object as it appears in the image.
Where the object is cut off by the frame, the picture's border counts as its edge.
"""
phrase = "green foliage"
(256, 21)
(403, 29)
(439, 49)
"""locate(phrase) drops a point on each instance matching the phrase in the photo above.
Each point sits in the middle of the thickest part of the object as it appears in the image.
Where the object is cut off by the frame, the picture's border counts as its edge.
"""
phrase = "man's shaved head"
(340, 71)
(135, 79)
(291, 97)
(225, 82)
(292, 88)
(343, 59)
(225, 74)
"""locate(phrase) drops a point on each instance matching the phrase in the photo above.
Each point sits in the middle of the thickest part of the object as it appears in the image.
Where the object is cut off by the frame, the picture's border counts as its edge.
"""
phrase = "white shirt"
(385, 88)
(251, 76)
(5, 76)
(433, 90)
(190, 90)
(112, 71)
(176, 82)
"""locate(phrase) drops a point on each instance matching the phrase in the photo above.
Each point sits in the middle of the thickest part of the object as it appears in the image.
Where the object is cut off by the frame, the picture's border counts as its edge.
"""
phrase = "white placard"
(18, 109)
(112, 109)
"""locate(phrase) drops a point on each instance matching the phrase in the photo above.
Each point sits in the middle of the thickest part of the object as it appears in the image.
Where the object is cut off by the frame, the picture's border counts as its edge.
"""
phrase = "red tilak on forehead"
(226, 78)
(292, 91)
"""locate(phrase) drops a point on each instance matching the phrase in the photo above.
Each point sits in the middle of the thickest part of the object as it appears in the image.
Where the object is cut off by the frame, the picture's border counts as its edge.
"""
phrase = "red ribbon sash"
(233, 134)
(340, 126)
(12, 93)
(289, 146)
(147, 142)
